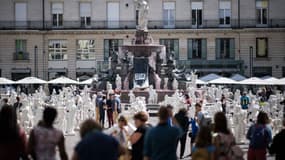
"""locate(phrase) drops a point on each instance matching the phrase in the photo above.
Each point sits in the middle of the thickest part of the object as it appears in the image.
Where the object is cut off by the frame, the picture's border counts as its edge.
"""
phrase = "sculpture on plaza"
(118, 82)
(175, 84)
(143, 7)
(152, 99)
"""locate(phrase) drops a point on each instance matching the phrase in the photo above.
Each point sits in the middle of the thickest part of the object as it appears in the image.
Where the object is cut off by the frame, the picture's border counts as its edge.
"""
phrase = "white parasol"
(63, 80)
(6, 81)
(31, 80)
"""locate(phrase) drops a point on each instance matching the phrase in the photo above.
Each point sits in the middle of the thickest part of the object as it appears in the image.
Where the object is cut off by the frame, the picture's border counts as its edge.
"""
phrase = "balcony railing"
(19, 56)
(160, 24)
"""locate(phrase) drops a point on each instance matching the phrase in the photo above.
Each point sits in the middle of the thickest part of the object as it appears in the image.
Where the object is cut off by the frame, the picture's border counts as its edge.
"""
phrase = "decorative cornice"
(151, 31)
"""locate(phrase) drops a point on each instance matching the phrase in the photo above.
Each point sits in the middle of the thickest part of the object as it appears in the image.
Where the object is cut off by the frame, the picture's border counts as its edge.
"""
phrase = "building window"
(261, 47)
(85, 49)
(57, 14)
(85, 14)
(262, 71)
(111, 47)
(197, 13)
(197, 48)
(20, 73)
(261, 12)
(225, 13)
(21, 50)
(57, 50)
(21, 13)
(172, 48)
(225, 48)
(169, 14)
(113, 15)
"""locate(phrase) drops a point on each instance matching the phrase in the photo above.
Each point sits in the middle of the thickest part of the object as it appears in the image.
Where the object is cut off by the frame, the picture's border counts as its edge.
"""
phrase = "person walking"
(96, 145)
(183, 121)
(224, 103)
(102, 108)
(223, 138)
(161, 141)
(44, 138)
(97, 107)
(277, 145)
(137, 138)
(110, 105)
(13, 141)
(204, 148)
(244, 101)
(17, 106)
(259, 136)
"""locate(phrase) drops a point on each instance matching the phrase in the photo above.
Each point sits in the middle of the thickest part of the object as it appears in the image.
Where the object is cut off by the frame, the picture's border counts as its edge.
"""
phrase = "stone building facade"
(49, 38)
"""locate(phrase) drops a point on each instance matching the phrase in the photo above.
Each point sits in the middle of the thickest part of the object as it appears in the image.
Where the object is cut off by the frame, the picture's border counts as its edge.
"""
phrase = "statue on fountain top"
(143, 7)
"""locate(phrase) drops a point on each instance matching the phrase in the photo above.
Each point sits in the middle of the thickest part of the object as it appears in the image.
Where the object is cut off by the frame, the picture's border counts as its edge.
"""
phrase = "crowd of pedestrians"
(209, 140)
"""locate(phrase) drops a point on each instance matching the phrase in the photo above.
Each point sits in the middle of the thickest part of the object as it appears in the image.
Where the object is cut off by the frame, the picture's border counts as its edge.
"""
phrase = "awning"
(57, 70)
(21, 70)
(88, 70)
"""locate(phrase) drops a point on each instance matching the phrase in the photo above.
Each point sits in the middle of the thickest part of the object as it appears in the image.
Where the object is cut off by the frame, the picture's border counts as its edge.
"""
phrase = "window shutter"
(190, 48)
(106, 49)
(85, 9)
(21, 11)
(232, 48)
(218, 48)
(204, 49)
(197, 5)
(121, 42)
(176, 49)
(57, 8)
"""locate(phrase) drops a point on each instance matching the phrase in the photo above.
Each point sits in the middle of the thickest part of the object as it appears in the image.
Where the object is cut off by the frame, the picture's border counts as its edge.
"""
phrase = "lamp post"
(36, 61)
(250, 60)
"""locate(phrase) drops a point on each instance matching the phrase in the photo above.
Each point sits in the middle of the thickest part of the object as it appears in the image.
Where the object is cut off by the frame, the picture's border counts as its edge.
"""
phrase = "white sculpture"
(165, 83)
(152, 99)
(132, 97)
(143, 7)
(175, 84)
(118, 82)
(239, 121)
(70, 117)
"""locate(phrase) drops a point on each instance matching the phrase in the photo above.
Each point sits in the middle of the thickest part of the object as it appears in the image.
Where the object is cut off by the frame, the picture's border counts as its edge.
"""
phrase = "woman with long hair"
(259, 136)
(13, 140)
(204, 148)
(223, 138)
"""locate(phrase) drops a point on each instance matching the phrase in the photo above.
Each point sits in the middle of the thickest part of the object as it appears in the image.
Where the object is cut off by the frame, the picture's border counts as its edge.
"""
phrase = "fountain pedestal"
(145, 57)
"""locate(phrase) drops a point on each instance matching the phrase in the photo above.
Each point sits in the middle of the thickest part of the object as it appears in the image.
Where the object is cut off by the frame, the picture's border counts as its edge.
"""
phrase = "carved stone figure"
(142, 7)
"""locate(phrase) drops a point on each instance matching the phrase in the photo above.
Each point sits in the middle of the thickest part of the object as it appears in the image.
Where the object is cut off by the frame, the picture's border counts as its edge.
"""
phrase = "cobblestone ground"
(71, 141)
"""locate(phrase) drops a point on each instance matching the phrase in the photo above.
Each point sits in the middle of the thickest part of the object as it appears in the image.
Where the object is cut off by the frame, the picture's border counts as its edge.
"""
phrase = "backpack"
(201, 154)
(230, 150)
(259, 138)
(235, 153)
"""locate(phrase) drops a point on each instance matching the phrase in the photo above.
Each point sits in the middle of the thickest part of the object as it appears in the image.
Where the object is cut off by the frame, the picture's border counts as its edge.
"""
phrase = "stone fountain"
(146, 57)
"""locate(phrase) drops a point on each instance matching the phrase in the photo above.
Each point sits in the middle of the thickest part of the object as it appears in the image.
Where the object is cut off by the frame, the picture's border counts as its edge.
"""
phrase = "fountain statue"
(143, 7)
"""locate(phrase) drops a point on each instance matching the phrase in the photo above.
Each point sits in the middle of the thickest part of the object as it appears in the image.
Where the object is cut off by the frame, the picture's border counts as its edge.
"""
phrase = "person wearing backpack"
(224, 141)
(259, 136)
(204, 148)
